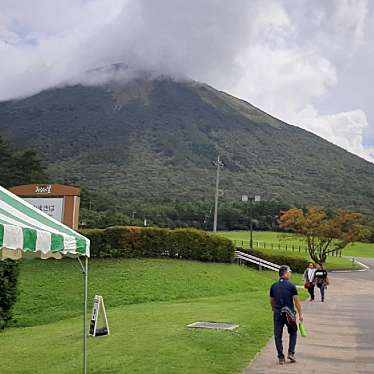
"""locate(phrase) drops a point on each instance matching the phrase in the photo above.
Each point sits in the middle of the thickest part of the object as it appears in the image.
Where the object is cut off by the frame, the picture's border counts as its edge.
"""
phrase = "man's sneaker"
(291, 357)
(282, 361)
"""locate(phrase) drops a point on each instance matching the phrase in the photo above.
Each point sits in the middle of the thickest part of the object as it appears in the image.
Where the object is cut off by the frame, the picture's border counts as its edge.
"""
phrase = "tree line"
(100, 210)
(20, 167)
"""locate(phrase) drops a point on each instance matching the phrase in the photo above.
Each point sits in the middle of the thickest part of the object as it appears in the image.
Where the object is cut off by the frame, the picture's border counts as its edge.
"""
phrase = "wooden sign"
(58, 201)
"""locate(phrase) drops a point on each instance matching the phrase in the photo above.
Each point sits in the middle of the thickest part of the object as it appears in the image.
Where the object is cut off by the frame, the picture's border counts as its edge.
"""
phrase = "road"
(340, 331)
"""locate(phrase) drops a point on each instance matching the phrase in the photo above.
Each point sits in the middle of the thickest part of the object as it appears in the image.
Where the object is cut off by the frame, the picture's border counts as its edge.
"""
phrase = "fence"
(288, 247)
(247, 258)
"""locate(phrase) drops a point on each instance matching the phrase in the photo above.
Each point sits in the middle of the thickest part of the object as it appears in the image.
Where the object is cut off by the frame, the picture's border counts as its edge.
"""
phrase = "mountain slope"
(154, 140)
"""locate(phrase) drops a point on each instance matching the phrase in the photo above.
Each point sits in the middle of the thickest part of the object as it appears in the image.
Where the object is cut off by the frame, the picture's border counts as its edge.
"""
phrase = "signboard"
(58, 201)
(246, 198)
(53, 206)
(98, 308)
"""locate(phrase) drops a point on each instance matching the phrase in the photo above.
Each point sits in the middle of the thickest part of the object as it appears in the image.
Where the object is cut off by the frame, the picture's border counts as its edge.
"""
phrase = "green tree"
(8, 290)
(19, 167)
(16, 167)
(323, 233)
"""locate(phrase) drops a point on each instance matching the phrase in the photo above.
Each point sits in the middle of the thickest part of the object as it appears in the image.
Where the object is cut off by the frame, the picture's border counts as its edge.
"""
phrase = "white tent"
(26, 231)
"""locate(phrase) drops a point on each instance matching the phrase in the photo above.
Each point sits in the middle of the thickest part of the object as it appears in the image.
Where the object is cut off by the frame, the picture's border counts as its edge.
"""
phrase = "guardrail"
(242, 256)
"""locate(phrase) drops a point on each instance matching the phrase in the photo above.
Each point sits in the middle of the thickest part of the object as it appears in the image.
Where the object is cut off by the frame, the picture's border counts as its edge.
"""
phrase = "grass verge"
(149, 304)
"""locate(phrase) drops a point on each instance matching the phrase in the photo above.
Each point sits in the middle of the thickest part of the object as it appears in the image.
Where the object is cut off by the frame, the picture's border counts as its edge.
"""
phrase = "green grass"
(275, 238)
(46, 286)
(149, 304)
(364, 250)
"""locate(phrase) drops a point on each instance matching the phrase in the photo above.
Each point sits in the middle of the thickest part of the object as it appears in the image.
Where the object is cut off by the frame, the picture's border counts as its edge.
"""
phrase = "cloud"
(344, 129)
(283, 56)
(348, 19)
(285, 76)
(282, 80)
(41, 48)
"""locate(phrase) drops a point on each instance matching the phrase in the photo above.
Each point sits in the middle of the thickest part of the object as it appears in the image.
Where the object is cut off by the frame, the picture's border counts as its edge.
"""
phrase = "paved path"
(340, 331)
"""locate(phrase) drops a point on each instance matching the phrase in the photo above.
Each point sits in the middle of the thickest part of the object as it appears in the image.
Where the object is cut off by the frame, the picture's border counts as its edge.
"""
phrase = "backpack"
(289, 317)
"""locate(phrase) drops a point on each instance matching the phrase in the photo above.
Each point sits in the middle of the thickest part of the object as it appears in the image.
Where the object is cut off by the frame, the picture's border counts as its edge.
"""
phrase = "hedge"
(137, 242)
(298, 265)
(8, 290)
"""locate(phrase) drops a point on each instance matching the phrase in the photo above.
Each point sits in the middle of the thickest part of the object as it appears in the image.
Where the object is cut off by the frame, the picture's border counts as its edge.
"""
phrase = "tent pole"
(85, 324)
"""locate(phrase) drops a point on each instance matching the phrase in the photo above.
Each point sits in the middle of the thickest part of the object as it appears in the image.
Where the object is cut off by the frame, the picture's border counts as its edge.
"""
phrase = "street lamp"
(251, 199)
(218, 164)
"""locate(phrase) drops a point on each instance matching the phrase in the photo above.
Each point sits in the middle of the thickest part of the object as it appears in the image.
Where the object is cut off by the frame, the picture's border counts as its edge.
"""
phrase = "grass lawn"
(275, 238)
(364, 250)
(149, 304)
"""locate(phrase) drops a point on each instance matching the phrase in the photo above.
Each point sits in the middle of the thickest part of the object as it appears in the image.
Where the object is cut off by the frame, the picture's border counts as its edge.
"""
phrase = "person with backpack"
(322, 281)
(309, 279)
(284, 300)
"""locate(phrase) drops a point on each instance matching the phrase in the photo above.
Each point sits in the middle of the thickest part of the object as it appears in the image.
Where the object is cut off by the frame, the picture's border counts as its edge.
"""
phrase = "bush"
(136, 242)
(8, 290)
(298, 265)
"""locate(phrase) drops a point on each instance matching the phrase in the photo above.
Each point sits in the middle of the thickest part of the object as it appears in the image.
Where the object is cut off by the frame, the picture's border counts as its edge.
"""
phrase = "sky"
(307, 62)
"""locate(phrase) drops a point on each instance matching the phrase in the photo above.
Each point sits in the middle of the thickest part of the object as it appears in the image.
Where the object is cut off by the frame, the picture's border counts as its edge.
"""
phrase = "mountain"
(153, 141)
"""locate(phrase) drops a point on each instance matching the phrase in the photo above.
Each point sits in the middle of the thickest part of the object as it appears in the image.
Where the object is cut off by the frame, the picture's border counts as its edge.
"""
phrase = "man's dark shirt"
(283, 293)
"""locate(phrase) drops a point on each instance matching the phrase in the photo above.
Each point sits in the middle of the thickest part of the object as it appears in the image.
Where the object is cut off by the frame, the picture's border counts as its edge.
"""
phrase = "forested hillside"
(148, 145)
(19, 167)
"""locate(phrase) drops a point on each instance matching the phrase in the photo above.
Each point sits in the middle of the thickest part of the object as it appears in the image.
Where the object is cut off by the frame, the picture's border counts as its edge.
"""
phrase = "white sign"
(53, 206)
(97, 308)
(244, 198)
(257, 198)
(43, 189)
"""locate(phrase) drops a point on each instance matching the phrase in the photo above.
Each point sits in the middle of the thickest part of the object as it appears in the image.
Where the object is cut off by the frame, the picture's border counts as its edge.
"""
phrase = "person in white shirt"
(309, 279)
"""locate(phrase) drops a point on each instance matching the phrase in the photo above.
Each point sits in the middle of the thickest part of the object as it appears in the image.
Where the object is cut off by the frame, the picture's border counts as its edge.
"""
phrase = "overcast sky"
(308, 62)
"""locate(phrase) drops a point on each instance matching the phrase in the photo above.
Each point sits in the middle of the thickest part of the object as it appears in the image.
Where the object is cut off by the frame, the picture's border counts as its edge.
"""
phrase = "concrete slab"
(214, 326)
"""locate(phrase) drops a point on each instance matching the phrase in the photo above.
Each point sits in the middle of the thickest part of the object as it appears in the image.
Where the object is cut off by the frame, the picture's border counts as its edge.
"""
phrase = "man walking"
(284, 299)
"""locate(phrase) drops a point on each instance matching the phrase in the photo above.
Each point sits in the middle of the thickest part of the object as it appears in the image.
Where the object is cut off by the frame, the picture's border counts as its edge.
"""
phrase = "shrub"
(8, 290)
(135, 242)
(298, 265)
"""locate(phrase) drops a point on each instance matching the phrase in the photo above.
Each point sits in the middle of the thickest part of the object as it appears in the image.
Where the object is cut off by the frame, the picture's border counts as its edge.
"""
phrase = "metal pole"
(218, 164)
(85, 324)
(251, 223)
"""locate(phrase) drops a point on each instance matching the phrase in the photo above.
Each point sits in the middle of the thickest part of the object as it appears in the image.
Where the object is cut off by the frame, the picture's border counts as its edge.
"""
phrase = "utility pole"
(251, 222)
(218, 164)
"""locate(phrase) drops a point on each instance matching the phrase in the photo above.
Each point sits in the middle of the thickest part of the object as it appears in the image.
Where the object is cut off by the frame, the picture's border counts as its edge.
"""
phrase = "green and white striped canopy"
(26, 229)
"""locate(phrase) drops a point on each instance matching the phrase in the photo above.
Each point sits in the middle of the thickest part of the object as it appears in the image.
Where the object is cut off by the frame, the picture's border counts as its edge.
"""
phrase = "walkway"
(340, 331)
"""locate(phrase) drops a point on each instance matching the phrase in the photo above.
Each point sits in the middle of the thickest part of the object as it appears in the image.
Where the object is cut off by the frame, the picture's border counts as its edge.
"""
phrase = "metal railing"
(245, 257)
